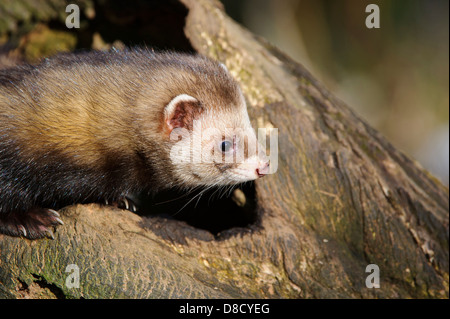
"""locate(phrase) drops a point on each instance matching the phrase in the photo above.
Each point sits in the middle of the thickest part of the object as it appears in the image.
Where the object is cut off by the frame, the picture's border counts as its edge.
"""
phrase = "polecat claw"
(124, 203)
(34, 224)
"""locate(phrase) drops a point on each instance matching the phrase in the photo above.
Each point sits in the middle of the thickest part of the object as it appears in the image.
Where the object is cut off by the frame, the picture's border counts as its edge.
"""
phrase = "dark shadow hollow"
(152, 23)
(214, 210)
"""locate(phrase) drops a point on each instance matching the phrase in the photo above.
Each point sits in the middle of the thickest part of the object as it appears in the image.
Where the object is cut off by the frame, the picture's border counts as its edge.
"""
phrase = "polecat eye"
(225, 146)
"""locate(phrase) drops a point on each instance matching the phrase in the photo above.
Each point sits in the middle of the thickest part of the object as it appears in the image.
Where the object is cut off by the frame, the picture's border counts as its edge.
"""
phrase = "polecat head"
(208, 129)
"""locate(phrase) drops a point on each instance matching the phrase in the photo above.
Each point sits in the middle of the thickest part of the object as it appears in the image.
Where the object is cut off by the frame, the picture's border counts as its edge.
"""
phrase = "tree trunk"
(342, 198)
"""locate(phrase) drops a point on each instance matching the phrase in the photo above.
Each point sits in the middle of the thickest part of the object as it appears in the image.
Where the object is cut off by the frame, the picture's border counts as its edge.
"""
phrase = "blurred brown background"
(395, 77)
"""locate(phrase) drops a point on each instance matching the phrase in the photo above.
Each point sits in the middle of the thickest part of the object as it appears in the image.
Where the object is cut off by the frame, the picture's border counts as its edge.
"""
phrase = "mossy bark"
(342, 198)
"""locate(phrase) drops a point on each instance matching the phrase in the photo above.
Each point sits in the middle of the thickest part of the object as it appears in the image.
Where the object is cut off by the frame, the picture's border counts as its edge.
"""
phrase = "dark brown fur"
(87, 128)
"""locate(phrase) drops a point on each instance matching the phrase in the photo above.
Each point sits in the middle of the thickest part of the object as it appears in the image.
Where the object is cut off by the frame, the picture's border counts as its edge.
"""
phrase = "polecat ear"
(181, 112)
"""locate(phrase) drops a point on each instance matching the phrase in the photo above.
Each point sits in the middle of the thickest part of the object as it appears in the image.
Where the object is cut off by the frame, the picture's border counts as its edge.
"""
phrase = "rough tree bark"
(342, 198)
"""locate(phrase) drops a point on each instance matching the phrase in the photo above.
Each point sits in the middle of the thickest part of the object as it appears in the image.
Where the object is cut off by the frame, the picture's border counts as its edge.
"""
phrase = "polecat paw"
(124, 203)
(34, 224)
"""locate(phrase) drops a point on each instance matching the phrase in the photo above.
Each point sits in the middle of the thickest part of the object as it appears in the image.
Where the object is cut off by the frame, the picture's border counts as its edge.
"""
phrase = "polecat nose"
(263, 170)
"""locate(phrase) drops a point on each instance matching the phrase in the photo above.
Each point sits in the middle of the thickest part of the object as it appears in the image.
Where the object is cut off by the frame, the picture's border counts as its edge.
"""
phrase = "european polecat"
(94, 127)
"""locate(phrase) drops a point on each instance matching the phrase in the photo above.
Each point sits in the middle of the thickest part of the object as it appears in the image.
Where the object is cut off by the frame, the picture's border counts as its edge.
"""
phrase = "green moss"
(42, 42)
